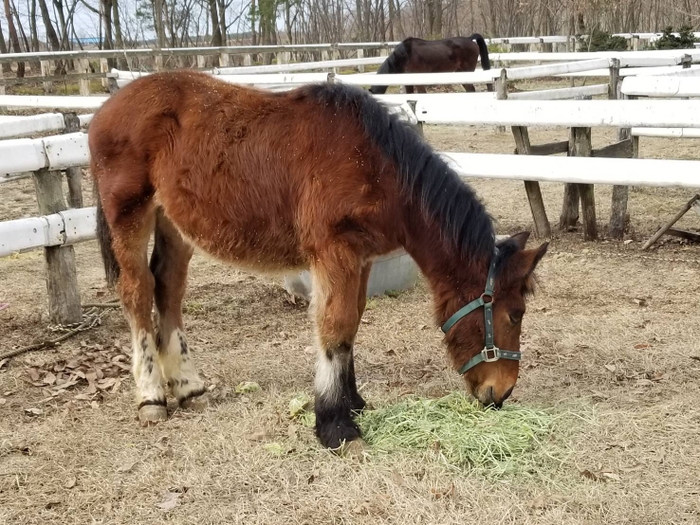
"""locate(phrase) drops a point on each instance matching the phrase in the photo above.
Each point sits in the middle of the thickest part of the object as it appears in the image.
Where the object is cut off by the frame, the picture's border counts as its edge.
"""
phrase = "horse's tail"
(104, 239)
(483, 50)
(394, 63)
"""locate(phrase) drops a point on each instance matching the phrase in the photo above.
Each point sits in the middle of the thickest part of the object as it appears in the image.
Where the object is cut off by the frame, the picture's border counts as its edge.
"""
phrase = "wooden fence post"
(502, 93)
(361, 55)
(534, 195)
(74, 175)
(84, 83)
(419, 126)
(158, 60)
(580, 146)
(46, 72)
(201, 62)
(104, 68)
(620, 194)
(247, 59)
(224, 60)
(61, 277)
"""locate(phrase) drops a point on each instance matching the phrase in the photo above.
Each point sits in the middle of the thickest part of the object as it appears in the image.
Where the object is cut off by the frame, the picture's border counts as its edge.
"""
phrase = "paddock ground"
(610, 344)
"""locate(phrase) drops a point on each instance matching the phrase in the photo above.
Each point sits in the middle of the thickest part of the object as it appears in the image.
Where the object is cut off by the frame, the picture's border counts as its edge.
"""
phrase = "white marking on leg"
(329, 375)
(145, 368)
(178, 366)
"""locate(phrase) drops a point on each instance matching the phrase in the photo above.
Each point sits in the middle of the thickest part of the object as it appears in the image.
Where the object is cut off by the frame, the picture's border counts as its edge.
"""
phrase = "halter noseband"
(490, 352)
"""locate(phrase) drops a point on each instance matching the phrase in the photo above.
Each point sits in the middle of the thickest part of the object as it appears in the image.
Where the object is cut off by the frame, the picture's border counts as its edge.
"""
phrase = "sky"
(86, 22)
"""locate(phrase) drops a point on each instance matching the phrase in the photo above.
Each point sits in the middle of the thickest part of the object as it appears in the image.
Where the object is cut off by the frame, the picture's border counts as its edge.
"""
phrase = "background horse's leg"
(169, 262)
(469, 88)
(409, 90)
(337, 283)
(130, 234)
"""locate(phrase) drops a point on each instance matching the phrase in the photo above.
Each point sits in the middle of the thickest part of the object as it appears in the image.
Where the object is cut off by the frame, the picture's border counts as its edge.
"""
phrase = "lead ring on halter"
(491, 352)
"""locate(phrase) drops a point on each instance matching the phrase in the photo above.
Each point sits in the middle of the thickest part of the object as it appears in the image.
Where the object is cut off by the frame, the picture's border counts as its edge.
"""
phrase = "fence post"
(419, 126)
(502, 93)
(201, 62)
(104, 68)
(361, 55)
(74, 175)
(84, 83)
(534, 195)
(158, 60)
(686, 61)
(247, 59)
(46, 72)
(224, 60)
(580, 146)
(61, 277)
(620, 194)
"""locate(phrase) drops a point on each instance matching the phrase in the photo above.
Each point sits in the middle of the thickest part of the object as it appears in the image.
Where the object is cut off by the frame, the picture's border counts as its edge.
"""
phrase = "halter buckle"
(491, 354)
(486, 298)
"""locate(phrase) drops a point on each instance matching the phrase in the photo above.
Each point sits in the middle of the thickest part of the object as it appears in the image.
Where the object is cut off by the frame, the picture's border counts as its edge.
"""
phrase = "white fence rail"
(16, 126)
(18, 157)
(564, 113)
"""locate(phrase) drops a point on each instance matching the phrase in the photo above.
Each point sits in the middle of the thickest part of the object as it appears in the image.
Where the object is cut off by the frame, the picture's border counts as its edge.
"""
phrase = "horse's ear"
(533, 257)
(521, 239)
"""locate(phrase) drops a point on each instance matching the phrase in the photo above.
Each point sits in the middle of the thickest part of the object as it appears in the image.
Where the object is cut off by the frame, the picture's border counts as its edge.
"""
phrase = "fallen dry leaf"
(444, 493)
(640, 301)
(71, 482)
(127, 467)
(259, 435)
(610, 368)
(33, 374)
(33, 411)
(170, 501)
(540, 502)
(50, 378)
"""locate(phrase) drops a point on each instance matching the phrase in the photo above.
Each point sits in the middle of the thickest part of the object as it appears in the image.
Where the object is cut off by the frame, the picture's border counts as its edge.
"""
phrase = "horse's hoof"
(355, 449)
(152, 414)
(196, 403)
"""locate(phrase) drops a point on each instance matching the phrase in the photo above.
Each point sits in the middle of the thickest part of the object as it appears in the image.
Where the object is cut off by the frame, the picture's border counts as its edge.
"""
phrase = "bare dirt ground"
(610, 342)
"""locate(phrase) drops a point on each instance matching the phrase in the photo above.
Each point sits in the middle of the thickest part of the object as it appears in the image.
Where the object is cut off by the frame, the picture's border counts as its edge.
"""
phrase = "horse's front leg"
(336, 288)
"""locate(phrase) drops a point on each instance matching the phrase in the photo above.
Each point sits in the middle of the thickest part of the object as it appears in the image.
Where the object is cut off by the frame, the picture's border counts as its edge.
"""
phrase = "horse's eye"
(515, 317)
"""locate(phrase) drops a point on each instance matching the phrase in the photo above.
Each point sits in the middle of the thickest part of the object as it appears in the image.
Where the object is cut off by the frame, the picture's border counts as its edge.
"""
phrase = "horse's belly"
(244, 233)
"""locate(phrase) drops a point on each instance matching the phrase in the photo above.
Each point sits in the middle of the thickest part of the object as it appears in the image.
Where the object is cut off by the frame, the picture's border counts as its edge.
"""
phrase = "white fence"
(21, 157)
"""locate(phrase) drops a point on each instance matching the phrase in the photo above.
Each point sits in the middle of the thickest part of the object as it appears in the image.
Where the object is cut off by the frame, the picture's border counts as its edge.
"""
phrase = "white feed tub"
(395, 271)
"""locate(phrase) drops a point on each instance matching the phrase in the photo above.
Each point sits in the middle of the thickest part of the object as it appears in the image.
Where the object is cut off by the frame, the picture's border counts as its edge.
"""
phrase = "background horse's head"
(491, 373)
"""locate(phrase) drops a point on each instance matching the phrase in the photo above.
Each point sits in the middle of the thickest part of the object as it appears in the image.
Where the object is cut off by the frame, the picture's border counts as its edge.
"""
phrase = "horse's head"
(483, 335)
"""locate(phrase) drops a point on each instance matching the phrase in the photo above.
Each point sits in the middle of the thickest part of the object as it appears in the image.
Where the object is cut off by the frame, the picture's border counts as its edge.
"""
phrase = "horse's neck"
(453, 280)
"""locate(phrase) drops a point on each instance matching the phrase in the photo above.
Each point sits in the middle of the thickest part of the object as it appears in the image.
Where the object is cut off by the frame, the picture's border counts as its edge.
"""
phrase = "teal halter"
(490, 352)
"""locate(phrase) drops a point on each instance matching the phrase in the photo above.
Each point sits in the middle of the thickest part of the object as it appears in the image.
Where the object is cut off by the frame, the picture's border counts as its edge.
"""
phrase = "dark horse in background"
(415, 55)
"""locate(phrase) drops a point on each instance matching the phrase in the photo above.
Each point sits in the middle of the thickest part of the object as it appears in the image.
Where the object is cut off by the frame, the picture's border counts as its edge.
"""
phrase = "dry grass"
(612, 336)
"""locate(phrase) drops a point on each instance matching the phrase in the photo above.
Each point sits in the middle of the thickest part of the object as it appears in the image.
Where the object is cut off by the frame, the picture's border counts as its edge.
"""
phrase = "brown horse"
(415, 55)
(322, 177)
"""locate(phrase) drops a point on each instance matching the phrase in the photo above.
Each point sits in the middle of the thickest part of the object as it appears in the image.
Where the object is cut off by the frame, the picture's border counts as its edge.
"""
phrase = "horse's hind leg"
(336, 289)
(169, 262)
(131, 224)
(469, 88)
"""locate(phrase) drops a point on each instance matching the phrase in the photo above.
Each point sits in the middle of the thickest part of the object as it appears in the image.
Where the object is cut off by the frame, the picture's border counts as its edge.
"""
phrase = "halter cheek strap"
(490, 352)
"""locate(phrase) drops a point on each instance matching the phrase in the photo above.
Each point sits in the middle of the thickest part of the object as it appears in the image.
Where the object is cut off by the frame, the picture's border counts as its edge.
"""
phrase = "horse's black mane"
(423, 175)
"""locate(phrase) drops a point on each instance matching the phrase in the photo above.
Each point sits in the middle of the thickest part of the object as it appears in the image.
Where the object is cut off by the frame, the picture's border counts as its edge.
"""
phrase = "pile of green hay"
(458, 432)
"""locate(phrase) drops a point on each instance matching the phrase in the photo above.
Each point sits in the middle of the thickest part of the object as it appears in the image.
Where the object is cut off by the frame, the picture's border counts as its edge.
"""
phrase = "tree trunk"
(215, 26)
(6, 67)
(14, 39)
(158, 22)
(222, 22)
